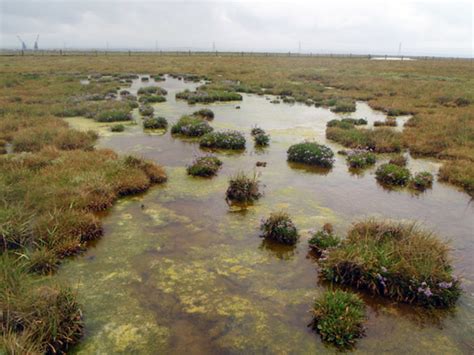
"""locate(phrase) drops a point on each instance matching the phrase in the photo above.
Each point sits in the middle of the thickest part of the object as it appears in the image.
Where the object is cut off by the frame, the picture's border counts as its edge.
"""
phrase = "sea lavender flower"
(445, 284)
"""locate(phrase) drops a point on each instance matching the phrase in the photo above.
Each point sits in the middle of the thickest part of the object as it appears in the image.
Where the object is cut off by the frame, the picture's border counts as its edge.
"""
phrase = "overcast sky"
(431, 27)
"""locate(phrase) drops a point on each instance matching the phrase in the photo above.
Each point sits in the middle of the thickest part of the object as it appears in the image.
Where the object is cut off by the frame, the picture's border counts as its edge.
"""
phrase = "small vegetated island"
(191, 126)
(311, 153)
(394, 260)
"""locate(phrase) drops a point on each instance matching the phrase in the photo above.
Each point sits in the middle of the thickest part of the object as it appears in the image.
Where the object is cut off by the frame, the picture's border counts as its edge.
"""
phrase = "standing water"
(178, 271)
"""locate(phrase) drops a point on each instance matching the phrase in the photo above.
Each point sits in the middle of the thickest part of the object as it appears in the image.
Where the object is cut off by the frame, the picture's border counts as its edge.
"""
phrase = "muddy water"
(178, 271)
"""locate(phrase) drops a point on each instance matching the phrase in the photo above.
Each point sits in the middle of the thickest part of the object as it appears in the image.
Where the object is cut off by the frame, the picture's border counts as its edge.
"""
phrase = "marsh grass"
(205, 113)
(155, 123)
(381, 140)
(149, 90)
(233, 140)
(243, 189)
(191, 126)
(392, 175)
(262, 140)
(421, 181)
(279, 228)
(311, 153)
(338, 316)
(117, 128)
(45, 319)
(359, 159)
(207, 95)
(204, 166)
(146, 110)
(395, 260)
(151, 99)
(323, 240)
(399, 160)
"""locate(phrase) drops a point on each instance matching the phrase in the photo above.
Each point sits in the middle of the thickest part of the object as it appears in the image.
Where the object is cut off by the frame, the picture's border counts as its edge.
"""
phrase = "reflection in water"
(185, 274)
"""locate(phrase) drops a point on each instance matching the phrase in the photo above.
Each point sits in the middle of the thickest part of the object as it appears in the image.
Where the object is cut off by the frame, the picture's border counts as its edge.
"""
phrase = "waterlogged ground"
(178, 271)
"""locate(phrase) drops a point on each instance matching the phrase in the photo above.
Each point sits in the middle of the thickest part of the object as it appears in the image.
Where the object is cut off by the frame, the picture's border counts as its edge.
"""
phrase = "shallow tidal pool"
(179, 271)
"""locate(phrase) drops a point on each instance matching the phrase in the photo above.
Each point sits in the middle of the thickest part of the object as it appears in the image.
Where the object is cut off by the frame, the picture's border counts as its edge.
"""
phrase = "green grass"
(338, 316)
(146, 110)
(422, 181)
(36, 319)
(205, 113)
(191, 126)
(391, 174)
(382, 140)
(204, 166)
(149, 90)
(243, 189)
(359, 159)
(323, 239)
(151, 99)
(279, 228)
(155, 123)
(399, 160)
(396, 260)
(117, 128)
(234, 140)
(204, 95)
(261, 140)
(311, 153)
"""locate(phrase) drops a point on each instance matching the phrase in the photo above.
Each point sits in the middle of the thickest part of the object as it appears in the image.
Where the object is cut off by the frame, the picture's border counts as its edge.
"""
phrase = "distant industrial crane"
(36, 42)
(23, 44)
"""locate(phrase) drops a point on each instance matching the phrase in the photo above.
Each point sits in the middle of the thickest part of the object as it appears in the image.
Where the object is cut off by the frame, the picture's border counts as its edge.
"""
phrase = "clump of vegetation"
(389, 122)
(311, 153)
(159, 77)
(205, 113)
(343, 124)
(146, 110)
(150, 99)
(344, 106)
(223, 140)
(422, 181)
(391, 174)
(359, 159)
(204, 95)
(355, 121)
(275, 101)
(399, 160)
(395, 260)
(338, 316)
(149, 90)
(324, 239)
(36, 320)
(256, 131)
(117, 128)
(279, 228)
(381, 140)
(460, 172)
(243, 189)
(191, 126)
(261, 140)
(145, 78)
(113, 116)
(155, 123)
(204, 166)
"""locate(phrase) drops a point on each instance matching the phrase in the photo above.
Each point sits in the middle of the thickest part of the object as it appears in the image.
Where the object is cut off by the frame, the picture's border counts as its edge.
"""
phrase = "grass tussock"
(204, 166)
(338, 316)
(279, 228)
(243, 189)
(155, 123)
(150, 90)
(460, 173)
(206, 95)
(392, 175)
(191, 126)
(205, 113)
(233, 140)
(311, 153)
(146, 110)
(395, 260)
(151, 99)
(324, 239)
(36, 319)
(117, 128)
(359, 159)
